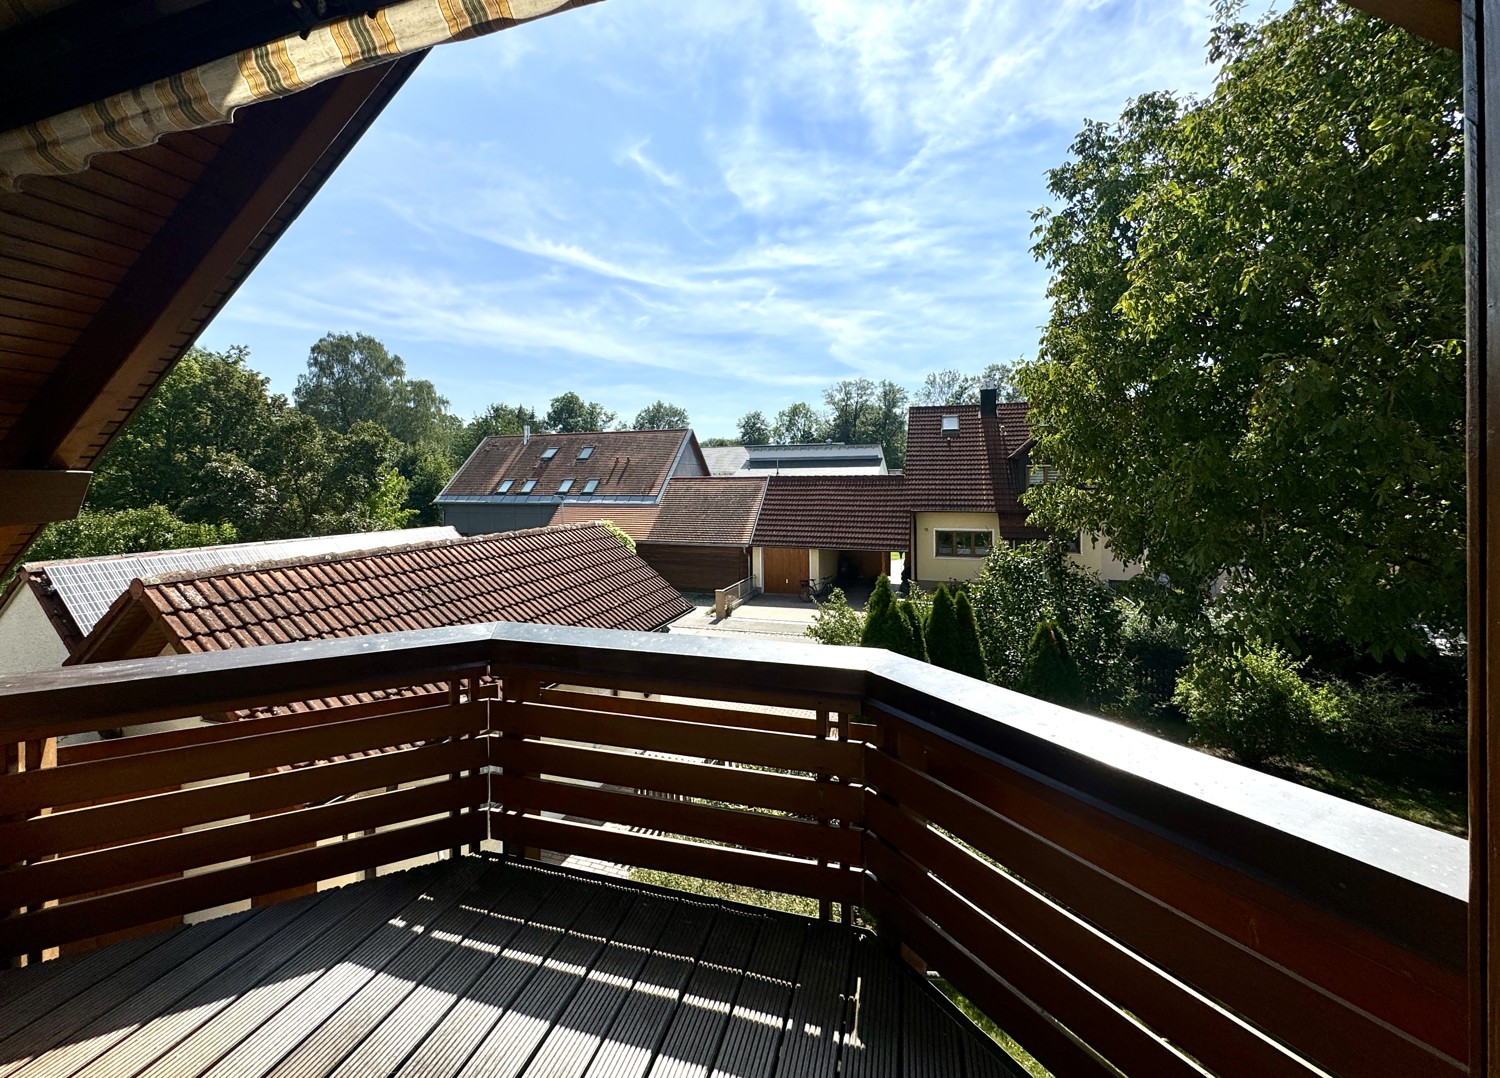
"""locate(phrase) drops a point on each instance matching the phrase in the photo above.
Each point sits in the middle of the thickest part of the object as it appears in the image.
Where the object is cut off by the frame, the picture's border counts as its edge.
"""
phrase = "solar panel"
(87, 588)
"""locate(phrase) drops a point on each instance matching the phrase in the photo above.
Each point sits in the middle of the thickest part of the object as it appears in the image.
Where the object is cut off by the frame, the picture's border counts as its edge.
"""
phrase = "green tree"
(947, 387)
(95, 533)
(495, 420)
(1035, 582)
(862, 412)
(1050, 672)
(754, 430)
(942, 630)
(571, 414)
(970, 658)
(1253, 368)
(661, 416)
(915, 639)
(797, 424)
(884, 626)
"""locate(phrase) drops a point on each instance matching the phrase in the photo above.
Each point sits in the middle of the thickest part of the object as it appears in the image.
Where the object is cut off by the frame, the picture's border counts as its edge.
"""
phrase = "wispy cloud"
(725, 205)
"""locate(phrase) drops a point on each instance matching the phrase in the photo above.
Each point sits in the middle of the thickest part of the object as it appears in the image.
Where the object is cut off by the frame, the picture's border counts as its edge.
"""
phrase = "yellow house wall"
(825, 564)
(1093, 554)
(934, 570)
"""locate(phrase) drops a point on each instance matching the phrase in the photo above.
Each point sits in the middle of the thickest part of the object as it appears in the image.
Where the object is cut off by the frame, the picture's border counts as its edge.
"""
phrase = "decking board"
(480, 966)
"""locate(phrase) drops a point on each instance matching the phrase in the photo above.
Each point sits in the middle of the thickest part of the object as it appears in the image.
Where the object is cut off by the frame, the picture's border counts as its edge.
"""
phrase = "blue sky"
(726, 205)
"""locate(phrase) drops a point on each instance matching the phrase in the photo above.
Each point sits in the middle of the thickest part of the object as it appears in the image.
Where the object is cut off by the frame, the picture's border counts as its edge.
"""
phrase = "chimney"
(526, 434)
(989, 403)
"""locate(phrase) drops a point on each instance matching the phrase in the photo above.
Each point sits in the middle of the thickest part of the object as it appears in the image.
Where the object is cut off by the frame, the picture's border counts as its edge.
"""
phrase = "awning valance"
(210, 93)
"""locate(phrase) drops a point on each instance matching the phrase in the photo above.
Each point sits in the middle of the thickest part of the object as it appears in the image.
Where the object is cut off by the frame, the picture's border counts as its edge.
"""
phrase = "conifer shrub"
(942, 630)
(884, 626)
(970, 657)
(916, 637)
(1050, 672)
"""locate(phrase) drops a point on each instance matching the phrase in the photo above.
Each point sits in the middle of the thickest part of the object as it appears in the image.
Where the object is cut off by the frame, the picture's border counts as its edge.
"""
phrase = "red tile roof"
(573, 575)
(845, 512)
(980, 469)
(709, 512)
(626, 462)
(635, 521)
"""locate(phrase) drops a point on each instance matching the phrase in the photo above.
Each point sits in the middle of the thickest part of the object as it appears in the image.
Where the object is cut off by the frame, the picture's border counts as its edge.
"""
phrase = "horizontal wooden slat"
(763, 870)
(39, 301)
(746, 690)
(24, 226)
(1002, 1001)
(763, 789)
(136, 744)
(1091, 1017)
(665, 709)
(757, 831)
(32, 790)
(122, 821)
(19, 251)
(120, 866)
(1208, 1033)
(55, 925)
(789, 751)
(1179, 910)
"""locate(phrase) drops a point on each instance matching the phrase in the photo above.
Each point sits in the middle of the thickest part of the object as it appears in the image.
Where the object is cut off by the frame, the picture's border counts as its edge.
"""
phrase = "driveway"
(764, 616)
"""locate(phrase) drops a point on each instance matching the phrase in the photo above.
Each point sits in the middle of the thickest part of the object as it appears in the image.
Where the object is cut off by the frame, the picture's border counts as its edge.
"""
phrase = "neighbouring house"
(578, 574)
(51, 606)
(725, 459)
(967, 467)
(815, 458)
(520, 480)
(827, 527)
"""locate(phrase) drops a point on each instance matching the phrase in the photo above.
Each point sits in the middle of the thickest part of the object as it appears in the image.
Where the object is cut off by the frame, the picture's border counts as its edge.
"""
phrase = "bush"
(836, 622)
(970, 650)
(1252, 702)
(1384, 715)
(916, 637)
(1155, 655)
(1034, 582)
(1050, 673)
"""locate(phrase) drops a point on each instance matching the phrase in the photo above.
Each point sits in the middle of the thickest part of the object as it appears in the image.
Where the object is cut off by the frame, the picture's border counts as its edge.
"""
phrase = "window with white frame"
(963, 544)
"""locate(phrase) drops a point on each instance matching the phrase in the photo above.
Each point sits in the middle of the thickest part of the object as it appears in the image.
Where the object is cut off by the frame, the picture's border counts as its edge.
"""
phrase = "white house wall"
(28, 642)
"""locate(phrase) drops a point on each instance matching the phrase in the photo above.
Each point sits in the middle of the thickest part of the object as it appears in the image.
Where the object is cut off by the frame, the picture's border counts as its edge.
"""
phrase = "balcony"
(1116, 904)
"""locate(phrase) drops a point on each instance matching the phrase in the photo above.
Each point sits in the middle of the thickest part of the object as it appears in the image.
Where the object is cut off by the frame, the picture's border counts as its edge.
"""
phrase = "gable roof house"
(578, 574)
(1172, 912)
(52, 605)
(514, 481)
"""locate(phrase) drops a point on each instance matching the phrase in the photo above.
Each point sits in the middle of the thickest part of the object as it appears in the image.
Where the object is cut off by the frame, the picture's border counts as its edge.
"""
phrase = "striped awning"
(210, 93)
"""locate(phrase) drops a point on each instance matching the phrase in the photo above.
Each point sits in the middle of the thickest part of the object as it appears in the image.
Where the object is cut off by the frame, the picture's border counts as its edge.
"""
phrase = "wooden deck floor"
(477, 967)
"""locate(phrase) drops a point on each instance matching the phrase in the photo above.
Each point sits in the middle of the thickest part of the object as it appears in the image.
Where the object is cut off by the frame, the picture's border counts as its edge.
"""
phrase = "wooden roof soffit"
(40, 496)
(1438, 21)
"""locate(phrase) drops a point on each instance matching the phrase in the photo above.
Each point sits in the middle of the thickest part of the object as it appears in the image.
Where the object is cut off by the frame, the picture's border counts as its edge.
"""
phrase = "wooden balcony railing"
(1110, 900)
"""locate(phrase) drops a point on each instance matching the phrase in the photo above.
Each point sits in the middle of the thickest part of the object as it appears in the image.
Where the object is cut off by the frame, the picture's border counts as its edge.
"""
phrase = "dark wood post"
(1481, 45)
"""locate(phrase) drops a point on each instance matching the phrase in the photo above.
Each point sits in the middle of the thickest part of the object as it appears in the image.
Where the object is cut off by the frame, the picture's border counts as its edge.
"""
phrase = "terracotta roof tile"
(709, 512)
(847, 512)
(635, 521)
(625, 462)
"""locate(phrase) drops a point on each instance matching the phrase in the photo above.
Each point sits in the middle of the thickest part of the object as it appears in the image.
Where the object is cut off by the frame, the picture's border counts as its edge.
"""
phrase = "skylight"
(950, 424)
(565, 486)
(586, 452)
(504, 487)
(528, 486)
(550, 453)
(591, 486)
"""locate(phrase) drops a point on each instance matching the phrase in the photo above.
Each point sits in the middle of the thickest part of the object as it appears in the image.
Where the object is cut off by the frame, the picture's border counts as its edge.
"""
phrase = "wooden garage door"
(870, 564)
(785, 568)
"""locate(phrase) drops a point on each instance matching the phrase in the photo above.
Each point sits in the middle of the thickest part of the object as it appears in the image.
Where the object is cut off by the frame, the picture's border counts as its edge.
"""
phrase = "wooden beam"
(1436, 20)
(39, 496)
(1481, 47)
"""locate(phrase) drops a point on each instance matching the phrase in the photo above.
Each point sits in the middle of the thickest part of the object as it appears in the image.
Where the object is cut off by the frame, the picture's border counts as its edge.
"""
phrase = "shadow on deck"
(482, 966)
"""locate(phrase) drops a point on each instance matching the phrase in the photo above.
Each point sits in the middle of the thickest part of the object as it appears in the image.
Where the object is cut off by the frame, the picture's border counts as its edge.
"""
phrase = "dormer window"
(504, 487)
(950, 426)
(528, 486)
(1041, 473)
(591, 486)
(565, 486)
(551, 451)
(586, 452)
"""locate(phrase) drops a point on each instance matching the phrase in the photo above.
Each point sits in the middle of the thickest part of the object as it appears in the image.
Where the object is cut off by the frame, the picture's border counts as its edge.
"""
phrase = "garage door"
(785, 568)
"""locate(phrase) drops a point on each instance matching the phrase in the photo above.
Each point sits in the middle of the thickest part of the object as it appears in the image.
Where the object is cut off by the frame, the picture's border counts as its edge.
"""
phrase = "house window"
(504, 487)
(591, 486)
(528, 486)
(950, 425)
(965, 544)
(586, 452)
(550, 453)
(1041, 473)
(565, 486)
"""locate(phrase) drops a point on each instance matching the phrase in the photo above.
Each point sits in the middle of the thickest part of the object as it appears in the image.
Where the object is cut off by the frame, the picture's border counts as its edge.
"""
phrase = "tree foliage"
(950, 387)
(862, 412)
(797, 424)
(836, 622)
(352, 378)
(970, 656)
(569, 413)
(1253, 365)
(95, 533)
(754, 430)
(660, 416)
(1035, 582)
(1050, 673)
